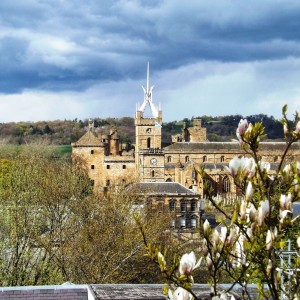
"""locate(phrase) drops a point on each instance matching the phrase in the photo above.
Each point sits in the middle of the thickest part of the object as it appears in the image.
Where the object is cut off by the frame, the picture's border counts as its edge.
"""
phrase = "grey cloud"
(72, 44)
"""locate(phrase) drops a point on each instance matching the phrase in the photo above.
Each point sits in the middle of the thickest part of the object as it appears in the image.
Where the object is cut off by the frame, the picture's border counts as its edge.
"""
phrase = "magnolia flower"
(206, 227)
(298, 241)
(209, 263)
(249, 191)
(252, 213)
(234, 166)
(285, 129)
(223, 234)
(243, 210)
(179, 294)
(269, 267)
(242, 127)
(297, 129)
(188, 263)
(264, 166)
(285, 202)
(283, 214)
(269, 240)
(263, 211)
(161, 261)
(287, 169)
(244, 164)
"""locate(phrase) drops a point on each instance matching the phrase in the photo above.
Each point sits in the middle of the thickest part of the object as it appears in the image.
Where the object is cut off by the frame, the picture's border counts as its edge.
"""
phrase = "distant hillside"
(65, 132)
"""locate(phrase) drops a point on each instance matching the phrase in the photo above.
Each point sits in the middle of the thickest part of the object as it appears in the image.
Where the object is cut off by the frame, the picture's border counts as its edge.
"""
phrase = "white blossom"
(263, 211)
(249, 191)
(179, 294)
(188, 263)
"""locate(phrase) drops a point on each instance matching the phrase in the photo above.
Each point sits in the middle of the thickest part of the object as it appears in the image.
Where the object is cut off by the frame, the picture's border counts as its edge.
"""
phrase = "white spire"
(148, 96)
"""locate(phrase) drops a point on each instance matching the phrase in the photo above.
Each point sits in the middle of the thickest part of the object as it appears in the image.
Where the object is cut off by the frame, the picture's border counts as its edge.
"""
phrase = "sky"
(67, 59)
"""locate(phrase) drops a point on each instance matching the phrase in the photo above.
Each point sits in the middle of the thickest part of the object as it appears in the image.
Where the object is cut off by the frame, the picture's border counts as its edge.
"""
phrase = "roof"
(90, 138)
(160, 188)
(224, 146)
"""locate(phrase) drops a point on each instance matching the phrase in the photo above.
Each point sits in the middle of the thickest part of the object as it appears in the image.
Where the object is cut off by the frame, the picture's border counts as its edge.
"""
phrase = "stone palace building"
(168, 175)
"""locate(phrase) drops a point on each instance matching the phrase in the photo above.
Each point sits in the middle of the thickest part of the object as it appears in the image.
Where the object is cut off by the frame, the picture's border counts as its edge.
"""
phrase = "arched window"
(169, 180)
(226, 185)
(204, 158)
(152, 173)
(193, 222)
(169, 159)
(222, 158)
(187, 159)
(148, 142)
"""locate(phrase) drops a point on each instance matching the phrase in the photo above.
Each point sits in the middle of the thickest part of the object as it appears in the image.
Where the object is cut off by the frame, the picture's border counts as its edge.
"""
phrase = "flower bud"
(209, 263)
(285, 129)
(206, 227)
(269, 242)
(249, 191)
(297, 129)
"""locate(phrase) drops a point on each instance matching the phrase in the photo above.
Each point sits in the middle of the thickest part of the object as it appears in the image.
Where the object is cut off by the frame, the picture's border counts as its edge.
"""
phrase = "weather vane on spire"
(148, 97)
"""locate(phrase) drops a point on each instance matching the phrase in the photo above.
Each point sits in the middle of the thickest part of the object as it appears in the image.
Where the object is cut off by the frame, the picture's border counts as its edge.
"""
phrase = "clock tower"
(149, 156)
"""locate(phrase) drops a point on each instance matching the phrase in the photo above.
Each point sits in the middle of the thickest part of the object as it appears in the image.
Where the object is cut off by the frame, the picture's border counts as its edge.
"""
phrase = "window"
(187, 159)
(92, 167)
(124, 167)
(193, 205)
(152, 173)
(226, 185)
(204, 158)
(107, 182)
(183, 205)
(222, 158)
(92, 182)
(92, 151)
(193, 222)
(172, 205)
(107, 167)
(182, 222)
(169, 159)
(148, 142)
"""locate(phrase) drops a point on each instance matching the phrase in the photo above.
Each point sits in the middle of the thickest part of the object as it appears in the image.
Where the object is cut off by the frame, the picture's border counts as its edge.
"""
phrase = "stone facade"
(109, 162)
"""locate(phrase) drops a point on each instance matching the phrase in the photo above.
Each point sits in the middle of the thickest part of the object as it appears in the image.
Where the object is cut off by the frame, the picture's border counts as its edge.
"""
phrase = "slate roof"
(224, 146)
(160, 188)
(140, 291)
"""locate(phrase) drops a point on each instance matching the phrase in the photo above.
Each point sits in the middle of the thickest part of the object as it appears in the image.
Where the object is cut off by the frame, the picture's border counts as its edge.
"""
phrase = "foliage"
(249, 245)
(53, 228)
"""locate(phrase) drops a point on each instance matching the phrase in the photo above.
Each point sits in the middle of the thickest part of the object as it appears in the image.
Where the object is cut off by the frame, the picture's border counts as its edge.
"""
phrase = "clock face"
(153, 161)
(148, 130)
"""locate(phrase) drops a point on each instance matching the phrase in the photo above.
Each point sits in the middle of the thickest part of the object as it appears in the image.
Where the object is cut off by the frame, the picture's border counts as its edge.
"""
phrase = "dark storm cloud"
(72, 45)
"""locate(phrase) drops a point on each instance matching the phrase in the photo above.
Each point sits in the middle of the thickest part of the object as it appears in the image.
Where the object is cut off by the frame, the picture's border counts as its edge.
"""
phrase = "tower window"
(187, 159)
(169, 159)
(124, 167)
(92, 151)
(222, 158)
(204, 158)
(107, 182)
(107, 167)
(92, 167)
(152, 173)
(148, 142)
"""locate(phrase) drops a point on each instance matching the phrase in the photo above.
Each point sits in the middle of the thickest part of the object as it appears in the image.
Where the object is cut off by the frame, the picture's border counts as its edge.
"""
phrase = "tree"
(249, 246)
